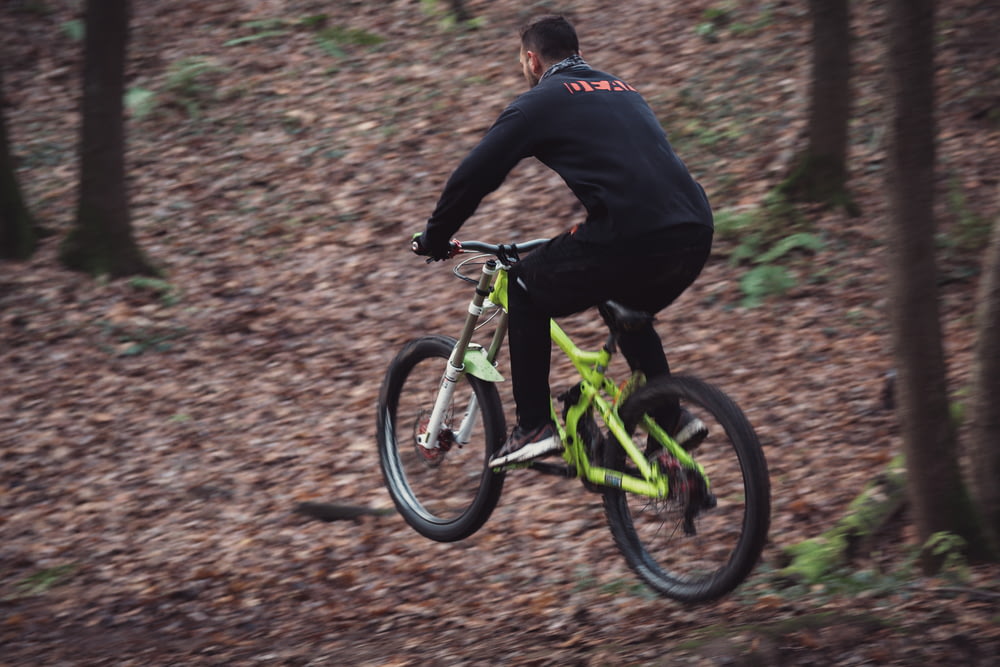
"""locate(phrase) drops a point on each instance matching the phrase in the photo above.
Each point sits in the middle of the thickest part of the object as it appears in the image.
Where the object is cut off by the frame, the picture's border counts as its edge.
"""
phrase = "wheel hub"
(445, 439)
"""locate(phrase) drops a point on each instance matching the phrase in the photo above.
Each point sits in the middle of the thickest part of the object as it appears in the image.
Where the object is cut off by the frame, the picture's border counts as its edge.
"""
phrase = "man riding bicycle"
(647, 234)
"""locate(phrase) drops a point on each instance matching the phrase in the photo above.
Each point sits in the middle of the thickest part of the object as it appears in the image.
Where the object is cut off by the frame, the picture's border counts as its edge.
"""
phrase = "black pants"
(568, 275)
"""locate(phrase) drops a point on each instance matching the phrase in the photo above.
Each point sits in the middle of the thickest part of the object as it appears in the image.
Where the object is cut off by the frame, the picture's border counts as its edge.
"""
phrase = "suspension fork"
(456, 364)
(469, 420)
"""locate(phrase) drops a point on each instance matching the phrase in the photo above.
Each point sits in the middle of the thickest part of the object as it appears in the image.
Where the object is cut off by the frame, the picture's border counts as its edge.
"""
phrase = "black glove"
(436, 253)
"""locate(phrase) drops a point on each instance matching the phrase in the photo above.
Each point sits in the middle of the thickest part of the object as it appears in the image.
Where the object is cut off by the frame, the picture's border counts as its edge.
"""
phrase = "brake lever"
(454, 249)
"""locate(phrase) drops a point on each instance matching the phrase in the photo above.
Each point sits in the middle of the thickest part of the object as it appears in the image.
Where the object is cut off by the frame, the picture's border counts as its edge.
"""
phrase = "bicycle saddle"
(621, 318)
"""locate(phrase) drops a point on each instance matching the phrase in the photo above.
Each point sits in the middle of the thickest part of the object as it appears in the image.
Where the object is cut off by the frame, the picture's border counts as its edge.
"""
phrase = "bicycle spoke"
(441, 487)
(695, 544)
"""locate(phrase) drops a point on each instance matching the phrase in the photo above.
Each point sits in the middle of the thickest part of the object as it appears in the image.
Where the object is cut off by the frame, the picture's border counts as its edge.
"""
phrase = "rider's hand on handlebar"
(419, 246)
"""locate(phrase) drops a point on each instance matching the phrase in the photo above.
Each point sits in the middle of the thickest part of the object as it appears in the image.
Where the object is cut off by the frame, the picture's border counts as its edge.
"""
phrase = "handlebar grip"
(416, 245)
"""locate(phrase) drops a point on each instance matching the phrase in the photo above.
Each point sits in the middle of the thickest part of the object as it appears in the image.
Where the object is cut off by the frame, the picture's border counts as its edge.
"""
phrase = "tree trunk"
(819, 173)
(101, 242)
(935, 488)
(18, 234)
(984, 444)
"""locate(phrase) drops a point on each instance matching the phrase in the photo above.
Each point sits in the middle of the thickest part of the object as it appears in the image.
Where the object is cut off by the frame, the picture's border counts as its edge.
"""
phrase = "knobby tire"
(449, 493)
(730, 535)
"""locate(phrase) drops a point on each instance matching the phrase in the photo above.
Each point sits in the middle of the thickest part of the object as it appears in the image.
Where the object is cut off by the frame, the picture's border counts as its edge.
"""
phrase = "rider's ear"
(534, 62)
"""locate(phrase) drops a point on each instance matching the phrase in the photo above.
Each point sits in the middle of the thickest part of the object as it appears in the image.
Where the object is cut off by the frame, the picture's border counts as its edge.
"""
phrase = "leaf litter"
(156, 442)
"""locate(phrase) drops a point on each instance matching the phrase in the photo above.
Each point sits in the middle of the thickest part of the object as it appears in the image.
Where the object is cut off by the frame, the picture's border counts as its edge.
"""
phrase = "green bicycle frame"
(598, 392)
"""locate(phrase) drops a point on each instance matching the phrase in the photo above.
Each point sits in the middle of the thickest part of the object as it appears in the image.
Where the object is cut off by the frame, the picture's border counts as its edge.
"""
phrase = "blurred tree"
(101, 241)
(819, 172)
(18, 233)
(937, 495)
(984, 445)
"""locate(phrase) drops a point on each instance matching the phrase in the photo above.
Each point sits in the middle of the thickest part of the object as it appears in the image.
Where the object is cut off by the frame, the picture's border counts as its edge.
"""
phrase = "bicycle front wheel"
(446, 492)
(699, 543)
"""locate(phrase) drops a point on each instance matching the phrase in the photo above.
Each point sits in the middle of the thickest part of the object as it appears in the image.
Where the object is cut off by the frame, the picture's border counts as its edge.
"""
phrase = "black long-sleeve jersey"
(601, 137)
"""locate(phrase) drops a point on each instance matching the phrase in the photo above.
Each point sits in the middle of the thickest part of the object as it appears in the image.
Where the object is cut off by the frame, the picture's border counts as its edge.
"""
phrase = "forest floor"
(157, 436)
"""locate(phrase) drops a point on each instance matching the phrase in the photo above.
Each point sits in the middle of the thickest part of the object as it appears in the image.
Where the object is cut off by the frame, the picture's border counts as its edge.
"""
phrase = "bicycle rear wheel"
(698, 544)
(445, 493)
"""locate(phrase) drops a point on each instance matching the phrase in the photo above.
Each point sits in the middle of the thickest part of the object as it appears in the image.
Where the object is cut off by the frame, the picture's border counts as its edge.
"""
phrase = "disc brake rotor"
(432, 456)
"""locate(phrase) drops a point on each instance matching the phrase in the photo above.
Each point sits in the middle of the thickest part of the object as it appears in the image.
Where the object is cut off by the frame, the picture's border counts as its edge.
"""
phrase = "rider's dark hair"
(551, 37)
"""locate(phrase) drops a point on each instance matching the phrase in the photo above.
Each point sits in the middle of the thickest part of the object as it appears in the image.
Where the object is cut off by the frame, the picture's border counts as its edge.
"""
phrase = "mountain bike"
(690, 524)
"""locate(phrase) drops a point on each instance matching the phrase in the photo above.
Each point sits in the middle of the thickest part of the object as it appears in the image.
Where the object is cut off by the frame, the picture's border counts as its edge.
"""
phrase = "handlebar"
(507, 253)
(503, 251)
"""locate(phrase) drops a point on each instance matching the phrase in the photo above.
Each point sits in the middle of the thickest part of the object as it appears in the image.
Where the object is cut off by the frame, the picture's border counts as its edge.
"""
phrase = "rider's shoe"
(526, 445)
(690, 431)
